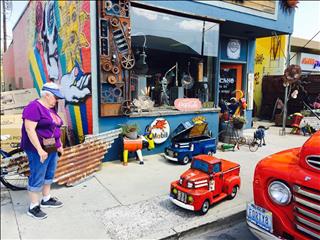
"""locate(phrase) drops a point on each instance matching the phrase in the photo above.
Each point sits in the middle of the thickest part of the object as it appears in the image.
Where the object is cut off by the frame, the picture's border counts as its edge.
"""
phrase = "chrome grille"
(307, 210)
(314, 161)
(181, 196)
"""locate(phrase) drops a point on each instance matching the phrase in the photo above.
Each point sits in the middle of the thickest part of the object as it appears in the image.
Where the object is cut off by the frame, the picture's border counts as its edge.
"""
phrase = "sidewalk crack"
(108, 191)
(15, 216)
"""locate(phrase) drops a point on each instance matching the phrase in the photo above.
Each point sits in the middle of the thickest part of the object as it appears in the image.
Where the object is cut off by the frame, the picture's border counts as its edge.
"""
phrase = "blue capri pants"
(41, 173)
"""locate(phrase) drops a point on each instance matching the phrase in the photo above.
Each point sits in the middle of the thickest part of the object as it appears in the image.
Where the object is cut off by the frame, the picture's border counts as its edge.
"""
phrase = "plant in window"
(130, 130)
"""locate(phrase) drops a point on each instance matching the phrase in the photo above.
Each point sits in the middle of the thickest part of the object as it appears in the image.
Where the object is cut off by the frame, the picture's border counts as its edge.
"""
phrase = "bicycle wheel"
(15, 170)
(253, 145)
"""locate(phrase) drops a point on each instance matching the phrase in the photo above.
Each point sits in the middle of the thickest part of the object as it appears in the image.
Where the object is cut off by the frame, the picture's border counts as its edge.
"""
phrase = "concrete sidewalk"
(131, 202)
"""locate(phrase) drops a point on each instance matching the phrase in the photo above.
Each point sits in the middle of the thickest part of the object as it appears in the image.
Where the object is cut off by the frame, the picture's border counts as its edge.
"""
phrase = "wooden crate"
(110, 109)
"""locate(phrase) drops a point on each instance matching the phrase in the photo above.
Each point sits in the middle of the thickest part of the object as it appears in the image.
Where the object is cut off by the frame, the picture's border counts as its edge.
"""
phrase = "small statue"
(136, 145)
(164, 91)
(259, 135)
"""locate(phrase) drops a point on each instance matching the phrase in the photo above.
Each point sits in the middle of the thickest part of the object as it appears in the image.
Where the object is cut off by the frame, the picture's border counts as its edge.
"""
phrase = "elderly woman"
(41, 142)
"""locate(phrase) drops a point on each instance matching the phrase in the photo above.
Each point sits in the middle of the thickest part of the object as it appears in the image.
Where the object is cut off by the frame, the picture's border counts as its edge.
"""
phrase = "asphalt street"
(232, 231)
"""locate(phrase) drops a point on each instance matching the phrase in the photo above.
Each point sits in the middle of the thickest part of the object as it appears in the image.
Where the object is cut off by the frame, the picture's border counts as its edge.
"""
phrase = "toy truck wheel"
(205, 207)
(233, 193)
(185, 160)
(210, 153)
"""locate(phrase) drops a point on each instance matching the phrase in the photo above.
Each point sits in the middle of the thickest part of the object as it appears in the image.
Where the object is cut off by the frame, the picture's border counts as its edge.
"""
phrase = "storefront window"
(175, 56)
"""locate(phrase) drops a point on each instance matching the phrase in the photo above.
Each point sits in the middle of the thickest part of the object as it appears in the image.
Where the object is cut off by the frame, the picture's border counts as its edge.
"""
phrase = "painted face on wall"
(50, 37)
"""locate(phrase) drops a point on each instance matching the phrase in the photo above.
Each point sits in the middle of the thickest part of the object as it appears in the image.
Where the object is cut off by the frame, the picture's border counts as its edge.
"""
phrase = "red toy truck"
(208, 181)
(286, 188)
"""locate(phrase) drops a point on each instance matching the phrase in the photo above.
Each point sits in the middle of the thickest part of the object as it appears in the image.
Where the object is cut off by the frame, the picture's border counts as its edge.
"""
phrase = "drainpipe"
(285, 109)
(94, 67)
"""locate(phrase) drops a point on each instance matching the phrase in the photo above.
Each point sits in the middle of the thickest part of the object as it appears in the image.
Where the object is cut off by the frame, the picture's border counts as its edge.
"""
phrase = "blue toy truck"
(190, 139)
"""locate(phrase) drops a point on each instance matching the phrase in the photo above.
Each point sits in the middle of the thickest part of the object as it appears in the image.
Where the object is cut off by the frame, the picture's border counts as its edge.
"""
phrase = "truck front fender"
(230, 182)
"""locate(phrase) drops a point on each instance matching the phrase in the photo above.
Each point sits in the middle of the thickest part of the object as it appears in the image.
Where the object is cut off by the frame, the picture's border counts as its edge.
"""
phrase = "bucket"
(132, 135)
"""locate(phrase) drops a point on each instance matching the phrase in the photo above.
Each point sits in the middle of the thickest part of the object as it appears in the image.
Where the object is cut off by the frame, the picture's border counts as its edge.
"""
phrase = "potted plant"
(130, 130)
(238, 122)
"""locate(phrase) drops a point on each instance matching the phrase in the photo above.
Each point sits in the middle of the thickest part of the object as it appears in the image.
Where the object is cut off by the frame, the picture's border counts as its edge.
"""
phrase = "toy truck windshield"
(200, 165)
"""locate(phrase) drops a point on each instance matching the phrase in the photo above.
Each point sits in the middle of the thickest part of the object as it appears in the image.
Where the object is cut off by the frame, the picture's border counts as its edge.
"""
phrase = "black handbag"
(49, 144)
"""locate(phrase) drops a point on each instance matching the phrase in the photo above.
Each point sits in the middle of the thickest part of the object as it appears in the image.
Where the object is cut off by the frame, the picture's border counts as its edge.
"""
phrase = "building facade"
(116, 59)
(270, 64)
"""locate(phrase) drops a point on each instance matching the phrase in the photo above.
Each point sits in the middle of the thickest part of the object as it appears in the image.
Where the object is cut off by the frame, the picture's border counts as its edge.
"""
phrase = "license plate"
(260, 217)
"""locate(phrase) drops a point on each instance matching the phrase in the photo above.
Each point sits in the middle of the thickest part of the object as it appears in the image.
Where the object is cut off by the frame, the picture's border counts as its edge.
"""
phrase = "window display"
(175, 57)
(149, 59)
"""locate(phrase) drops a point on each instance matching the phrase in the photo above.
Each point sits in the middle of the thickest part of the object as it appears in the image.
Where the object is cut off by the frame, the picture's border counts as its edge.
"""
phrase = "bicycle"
(234, 138)
(14, 168)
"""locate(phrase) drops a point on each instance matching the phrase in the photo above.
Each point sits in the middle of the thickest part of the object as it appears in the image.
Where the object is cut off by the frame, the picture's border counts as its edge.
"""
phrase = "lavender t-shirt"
(48, 126)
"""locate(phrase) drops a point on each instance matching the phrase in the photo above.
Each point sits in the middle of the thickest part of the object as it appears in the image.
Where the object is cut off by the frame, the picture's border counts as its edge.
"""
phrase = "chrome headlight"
(176, 145)
(279, 193)
(190, 185)
(180, 181)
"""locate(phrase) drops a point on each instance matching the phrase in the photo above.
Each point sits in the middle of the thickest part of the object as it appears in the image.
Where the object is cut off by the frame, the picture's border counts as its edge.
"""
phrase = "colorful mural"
(269, 60)
(59, 51)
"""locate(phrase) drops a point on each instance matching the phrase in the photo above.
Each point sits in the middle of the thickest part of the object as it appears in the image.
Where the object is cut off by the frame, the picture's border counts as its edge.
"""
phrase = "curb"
(219, 224)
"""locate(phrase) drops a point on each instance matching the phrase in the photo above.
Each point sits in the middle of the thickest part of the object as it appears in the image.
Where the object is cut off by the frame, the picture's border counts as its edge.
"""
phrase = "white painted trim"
(202, 181)
(201, 185)
(233, 61)
(170, 158)
(94, 67)
(241, 9)
(181, 204)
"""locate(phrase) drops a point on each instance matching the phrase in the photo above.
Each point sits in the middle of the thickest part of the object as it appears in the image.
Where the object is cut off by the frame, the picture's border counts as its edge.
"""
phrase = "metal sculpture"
(116, 57)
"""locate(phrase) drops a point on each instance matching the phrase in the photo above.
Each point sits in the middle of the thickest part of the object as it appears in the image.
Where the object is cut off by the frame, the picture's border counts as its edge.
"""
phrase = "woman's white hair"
(48, 85)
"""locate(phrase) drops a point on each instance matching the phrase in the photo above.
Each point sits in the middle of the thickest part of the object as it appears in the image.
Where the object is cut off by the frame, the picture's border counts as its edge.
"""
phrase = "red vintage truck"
(208, 181)
(286, 188)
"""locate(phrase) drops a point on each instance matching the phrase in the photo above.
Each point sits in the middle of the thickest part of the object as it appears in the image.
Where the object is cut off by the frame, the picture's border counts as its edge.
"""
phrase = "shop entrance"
(230, 81)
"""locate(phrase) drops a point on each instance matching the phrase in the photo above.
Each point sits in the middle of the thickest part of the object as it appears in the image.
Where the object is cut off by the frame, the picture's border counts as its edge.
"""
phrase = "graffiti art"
(60, 52)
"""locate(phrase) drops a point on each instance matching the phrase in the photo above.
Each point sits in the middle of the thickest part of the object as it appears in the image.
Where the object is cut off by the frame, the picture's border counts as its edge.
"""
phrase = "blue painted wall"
(110, 123)
(284, 22)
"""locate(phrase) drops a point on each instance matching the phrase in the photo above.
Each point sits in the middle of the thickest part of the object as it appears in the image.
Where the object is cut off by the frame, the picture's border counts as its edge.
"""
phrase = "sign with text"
(310, 62)
(227, 83)
(250, 90)
(187, 104)
(160, 130)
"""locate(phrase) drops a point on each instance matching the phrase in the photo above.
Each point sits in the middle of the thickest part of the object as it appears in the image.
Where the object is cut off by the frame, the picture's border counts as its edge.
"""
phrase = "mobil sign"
(310, 62)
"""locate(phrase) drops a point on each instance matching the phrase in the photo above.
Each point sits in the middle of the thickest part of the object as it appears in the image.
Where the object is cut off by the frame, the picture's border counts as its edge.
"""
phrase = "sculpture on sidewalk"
(132, 142)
